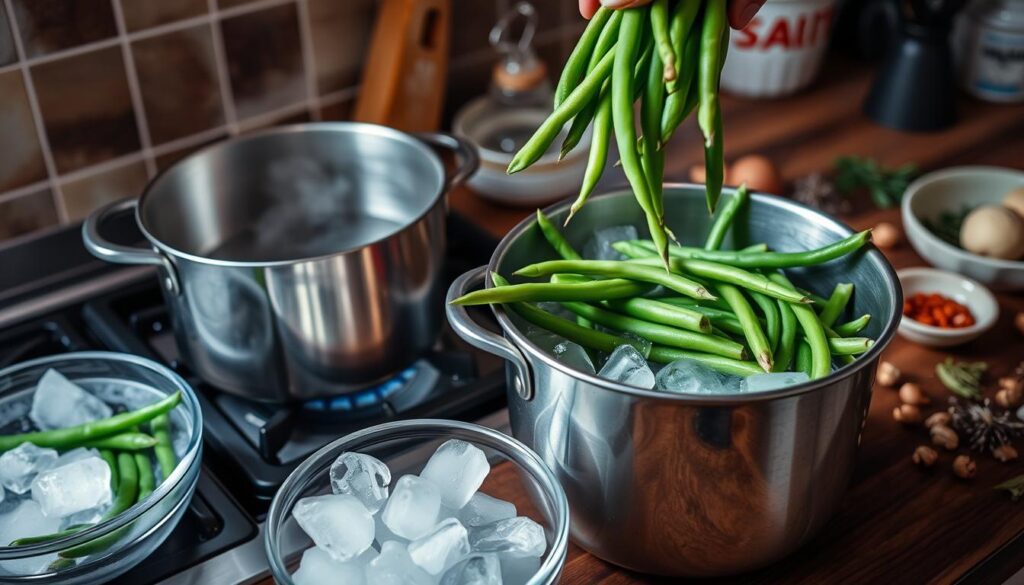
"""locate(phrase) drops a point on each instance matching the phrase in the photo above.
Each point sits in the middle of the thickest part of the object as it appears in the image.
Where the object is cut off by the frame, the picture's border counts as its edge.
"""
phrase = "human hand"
(740, 11)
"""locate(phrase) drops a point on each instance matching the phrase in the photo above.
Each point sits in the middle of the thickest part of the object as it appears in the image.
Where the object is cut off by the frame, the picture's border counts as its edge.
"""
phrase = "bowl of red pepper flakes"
(943, 309)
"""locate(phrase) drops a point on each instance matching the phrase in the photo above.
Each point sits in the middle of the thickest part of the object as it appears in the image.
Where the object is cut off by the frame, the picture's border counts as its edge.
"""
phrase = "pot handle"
(482, 338)
(466, 155)
(106, 250)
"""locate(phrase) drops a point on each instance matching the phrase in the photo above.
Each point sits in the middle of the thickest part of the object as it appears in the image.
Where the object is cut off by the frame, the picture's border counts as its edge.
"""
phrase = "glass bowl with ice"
(99, 457)
(419, 502)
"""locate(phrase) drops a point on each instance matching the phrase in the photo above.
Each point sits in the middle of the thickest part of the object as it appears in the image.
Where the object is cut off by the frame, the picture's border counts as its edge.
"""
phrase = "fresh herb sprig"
(1015, 487)
(962, 378)
(947, 225)
(886, 186)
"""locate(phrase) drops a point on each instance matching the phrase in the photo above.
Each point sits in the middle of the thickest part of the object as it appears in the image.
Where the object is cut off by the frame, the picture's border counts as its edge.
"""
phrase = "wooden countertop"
(898, 524)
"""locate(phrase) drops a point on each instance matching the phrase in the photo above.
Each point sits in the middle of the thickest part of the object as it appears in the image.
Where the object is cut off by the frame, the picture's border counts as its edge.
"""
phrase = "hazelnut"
(1004, 453)
(945, 437)
(964, 467)
(925, 456)
(1018, 321)
(939, 418)
(911, 393)
(907, 414)
(1008, 397)
(888, 374)
(885, 235)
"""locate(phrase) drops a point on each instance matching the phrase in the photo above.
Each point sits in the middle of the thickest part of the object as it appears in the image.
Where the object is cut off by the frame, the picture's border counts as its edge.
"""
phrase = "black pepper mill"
(915, 88)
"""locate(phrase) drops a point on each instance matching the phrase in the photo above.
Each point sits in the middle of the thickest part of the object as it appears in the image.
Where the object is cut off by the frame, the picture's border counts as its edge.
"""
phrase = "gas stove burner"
(374, 396)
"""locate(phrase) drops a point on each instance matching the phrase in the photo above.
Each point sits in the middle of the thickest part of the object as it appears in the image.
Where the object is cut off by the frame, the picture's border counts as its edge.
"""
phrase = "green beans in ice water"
(658, 312)
(555, 238)
(662, 354)
(129, 441)
(786, 350)
(853, 327)
(814, 334)
(591, 290)
(164, 449)
(615, 269)
(836, 303)
(752, 330)
(771, 317)
(723, 220)
(146, 480)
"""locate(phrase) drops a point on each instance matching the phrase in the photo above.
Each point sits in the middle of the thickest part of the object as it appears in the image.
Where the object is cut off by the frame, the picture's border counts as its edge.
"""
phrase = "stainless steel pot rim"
(361, 127)
(520, 455)
(892, 321)
(192, 455)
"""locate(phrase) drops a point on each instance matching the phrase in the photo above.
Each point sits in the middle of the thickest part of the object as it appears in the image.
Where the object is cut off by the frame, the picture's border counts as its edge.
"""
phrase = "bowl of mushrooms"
(970, 220)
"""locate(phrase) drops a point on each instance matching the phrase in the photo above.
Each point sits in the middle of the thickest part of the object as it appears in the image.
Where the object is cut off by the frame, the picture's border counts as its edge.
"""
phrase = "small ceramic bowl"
(961, 289)
(950, 190)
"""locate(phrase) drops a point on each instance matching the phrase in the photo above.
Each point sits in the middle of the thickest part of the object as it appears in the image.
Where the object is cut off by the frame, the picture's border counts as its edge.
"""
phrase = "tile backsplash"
(99, 95)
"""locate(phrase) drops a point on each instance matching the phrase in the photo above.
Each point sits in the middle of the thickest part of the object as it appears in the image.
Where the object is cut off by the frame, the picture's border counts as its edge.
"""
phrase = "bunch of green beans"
(733, 311)
(123, 447)
(668, 55)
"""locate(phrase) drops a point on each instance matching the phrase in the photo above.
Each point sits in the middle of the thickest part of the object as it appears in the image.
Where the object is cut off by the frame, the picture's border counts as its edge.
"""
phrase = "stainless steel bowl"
(689, 485)
(405, 446)
(123, 541)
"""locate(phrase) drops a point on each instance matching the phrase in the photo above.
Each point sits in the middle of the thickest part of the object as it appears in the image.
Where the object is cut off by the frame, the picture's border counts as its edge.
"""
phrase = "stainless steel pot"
(689, 485)
(300, 261)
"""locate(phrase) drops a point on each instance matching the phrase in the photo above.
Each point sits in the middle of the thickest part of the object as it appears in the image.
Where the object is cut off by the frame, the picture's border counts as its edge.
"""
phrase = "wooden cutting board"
(405, 74)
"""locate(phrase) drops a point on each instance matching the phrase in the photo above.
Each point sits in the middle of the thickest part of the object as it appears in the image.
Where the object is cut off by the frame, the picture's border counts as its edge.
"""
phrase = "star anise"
(818, 192)
(984, 429)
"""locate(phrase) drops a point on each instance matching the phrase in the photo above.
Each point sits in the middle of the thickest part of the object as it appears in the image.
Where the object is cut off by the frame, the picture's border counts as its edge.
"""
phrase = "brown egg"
(757, 172)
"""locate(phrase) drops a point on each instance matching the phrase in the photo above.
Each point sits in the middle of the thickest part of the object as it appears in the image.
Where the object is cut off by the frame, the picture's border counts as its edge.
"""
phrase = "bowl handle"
(104, 249)
(482, 338)
(467, 158)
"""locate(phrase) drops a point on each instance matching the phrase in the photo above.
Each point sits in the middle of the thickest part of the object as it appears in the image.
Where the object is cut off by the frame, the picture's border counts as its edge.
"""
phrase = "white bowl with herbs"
(970, 220)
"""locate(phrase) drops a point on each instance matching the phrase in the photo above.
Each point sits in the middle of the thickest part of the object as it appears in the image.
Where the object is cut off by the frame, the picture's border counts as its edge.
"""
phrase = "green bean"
(745, 259)
(787, 338)
(752, 331)
(725, 320)
(598, 153)
(71, 437)
(681, 21)
(804, 360)
(146, 480)
(739, 277)
(108, 456)
(652, 158)
(591, 290)
(724, 218)
(665, 355)
(60, 565)
(625, 132)
(658, 333)
(849, 345)
(555, 237)
(576, 65)
(580, 123)
(714, 30)
(771, 317)
(659, 27)
(612, 269)
(583, 336)
(853, 327)
(814, 334)
(127, 495)
(129, 441)
(836, 303)
(714, 164)
(664, 313)
(164, 449)
(542, 138)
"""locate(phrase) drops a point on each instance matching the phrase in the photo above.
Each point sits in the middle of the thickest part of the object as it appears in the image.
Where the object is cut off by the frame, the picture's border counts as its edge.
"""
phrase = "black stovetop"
(250, 448)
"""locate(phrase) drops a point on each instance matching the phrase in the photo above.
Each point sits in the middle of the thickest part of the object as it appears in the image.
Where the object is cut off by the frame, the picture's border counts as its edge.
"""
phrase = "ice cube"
(458, 469)
(59, 403)
(599, 246)
(318, 567)
(556, 309)
(478, 569)
(382, 533)
(76, 454)
(519, 571)
(362, 476)
(512, 537)
(442, 548)
(772, 381)
(21, 520)
(80, 485)
(687, 376)
(543, 338)
(413, 507)
(483, 509)
(90, 516)
(20, 465)
(394, 566)
(339, 524)
(574, 356)
(627, 366)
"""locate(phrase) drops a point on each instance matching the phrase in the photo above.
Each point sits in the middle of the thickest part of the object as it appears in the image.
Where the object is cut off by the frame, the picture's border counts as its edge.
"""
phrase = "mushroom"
(1015, 200)
(994, 231)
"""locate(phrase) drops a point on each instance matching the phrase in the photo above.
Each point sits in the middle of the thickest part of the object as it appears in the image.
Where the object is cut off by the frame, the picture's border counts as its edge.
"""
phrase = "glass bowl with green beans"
(142, 438)
(636, 384)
